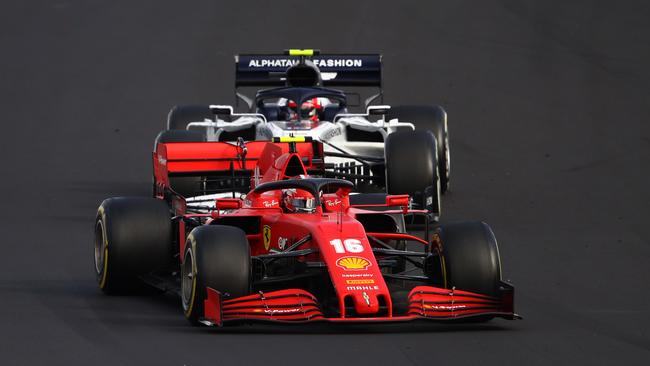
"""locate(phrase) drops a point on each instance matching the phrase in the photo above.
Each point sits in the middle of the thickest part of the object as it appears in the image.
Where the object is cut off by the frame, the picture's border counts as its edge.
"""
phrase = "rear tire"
(471, 257)
(411, 168)
(429, 118)
(179, 136)
(179, 116)
(216, 256)
(133, 236)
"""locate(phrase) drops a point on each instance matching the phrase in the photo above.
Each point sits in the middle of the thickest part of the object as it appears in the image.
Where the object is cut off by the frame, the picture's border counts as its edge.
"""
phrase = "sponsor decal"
(266, 235)
(357, 275)
(353, 263)
(444, 307)
(278, 311)
(272, 63)
(282, 243)
(328, 135)
(282, 311)
(330, 76)
(280, 62)
(161, 160)
(359, 282)
(347, 245)
(339, 63)
(362, 288)
(333, 203)
(270, 204)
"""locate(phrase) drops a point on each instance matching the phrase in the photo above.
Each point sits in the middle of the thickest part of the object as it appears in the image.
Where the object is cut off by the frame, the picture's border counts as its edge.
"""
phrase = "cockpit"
(303, 195)
(300, 107)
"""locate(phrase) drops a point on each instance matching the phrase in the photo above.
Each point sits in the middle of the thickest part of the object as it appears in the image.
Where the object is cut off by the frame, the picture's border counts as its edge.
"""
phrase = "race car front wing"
(300, 306)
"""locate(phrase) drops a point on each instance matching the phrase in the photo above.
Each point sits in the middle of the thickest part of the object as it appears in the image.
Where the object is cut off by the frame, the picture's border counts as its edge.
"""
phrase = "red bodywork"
(200, 157)
(340, 241)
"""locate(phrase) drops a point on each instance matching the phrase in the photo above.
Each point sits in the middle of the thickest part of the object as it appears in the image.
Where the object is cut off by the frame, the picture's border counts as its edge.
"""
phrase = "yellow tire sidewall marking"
(443, 267)
(444, 271)
(190, 307)
(104, 275)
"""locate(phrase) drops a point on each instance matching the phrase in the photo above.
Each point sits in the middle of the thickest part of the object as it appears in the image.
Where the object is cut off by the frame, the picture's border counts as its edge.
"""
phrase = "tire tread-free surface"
(412, 168)
(429, 118)
(471, 257)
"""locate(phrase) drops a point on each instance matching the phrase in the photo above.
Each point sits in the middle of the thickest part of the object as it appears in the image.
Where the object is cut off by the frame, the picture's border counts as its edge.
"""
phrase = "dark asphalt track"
(548, 105)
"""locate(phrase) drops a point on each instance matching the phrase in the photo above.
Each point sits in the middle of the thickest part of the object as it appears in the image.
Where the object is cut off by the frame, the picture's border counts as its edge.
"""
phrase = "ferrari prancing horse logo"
(266, 235)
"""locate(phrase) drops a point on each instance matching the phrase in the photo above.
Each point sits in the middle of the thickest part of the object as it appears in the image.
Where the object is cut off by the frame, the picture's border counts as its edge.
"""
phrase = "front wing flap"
(436, 303)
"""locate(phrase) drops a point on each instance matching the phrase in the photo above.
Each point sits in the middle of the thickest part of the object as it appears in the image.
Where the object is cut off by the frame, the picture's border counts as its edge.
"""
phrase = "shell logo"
(353, 263)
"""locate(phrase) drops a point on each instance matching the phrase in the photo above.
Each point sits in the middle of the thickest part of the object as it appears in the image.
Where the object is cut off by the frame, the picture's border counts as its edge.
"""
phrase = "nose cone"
(353, 269)
(365, 302)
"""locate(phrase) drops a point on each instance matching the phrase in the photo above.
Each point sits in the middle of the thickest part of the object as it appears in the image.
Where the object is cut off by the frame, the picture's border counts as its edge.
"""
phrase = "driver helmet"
(297, 200)
(308, 110)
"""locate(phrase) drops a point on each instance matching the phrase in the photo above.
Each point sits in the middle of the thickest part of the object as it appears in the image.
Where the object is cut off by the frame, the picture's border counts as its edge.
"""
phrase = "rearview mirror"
(401, 200)
(221, 109)
(378, 110)
(228, 203)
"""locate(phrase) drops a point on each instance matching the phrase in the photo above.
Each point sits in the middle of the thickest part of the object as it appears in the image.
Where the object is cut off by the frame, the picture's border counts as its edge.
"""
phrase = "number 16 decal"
(347, 246)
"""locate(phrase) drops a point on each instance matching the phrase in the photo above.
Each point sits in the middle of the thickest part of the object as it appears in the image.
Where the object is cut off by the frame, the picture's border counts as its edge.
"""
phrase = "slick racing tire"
(185, 186)
(215, 256)
(179, 136)
(470, 257)
(133, 236)
(429, 118)
(179, 116)
(411, 168)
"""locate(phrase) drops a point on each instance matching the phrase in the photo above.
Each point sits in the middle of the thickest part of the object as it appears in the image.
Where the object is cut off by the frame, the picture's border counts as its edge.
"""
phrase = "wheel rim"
(100, 248)
(187, 280)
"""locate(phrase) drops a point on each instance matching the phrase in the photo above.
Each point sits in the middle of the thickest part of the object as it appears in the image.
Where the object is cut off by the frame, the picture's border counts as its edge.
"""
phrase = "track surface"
(548, 105)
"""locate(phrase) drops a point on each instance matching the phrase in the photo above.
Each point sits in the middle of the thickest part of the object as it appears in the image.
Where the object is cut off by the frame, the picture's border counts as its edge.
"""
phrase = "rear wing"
(336, 70)
(260, 70)
(222, 167)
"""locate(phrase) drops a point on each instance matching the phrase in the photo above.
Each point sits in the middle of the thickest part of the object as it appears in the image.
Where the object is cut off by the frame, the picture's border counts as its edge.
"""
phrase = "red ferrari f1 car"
(294, 248)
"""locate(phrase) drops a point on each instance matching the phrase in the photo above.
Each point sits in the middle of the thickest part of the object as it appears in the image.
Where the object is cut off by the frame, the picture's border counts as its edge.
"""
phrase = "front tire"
(471, 257)
(133, 236)
(215, 256)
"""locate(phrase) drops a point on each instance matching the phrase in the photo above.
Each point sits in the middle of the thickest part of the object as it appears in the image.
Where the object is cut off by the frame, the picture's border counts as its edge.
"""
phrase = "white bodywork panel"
(332, 134)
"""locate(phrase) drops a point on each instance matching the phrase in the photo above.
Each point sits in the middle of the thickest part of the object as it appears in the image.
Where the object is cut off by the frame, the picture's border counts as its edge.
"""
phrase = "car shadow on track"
(324, 328)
